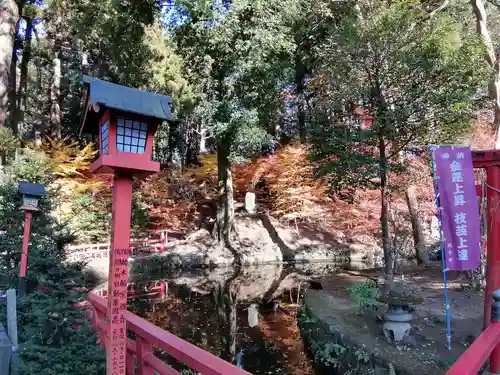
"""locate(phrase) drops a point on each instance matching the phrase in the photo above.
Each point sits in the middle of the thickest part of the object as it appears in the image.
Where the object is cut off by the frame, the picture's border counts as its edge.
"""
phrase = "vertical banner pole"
(443, 252)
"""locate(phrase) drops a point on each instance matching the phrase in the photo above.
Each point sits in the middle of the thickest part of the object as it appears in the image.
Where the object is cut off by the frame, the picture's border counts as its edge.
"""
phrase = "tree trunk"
(21, 96)
(192, 145)
(495, 96)
(231, 327)
(55, 96)
(299, 95)
(225, 207)
(9, 16)
(479, 11)
(389, 258)
(175, 145)
(13, 87)
(418, 234)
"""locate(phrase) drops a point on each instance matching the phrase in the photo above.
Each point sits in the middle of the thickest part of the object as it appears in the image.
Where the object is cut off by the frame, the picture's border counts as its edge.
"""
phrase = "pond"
(246, 316)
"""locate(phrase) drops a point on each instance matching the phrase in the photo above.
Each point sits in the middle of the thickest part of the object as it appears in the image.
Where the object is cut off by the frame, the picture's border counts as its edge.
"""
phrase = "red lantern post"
(124, 121)
(24, 253)
(118, 274)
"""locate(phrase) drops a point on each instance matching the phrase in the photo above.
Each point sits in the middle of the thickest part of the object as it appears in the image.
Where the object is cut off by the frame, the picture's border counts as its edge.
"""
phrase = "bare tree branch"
(494, 2)
(431, 14)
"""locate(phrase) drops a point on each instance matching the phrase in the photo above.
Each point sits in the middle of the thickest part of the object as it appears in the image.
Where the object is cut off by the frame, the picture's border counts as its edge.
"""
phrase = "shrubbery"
(55, 337)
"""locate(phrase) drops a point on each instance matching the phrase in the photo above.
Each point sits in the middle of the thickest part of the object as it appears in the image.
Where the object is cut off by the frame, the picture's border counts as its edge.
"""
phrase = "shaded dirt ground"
(428, 323)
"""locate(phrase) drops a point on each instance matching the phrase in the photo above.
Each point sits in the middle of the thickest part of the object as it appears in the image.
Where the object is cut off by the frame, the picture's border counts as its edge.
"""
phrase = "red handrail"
(149, 336)
(473, 359)
(89, 251)
(135, 290)
(106, 245)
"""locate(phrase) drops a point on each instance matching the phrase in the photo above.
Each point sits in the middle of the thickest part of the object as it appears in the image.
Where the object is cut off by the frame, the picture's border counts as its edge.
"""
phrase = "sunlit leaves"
(390, 75)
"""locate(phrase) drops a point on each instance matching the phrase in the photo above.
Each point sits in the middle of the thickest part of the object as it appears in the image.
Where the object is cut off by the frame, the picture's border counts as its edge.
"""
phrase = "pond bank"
(261, 240)
(337, 347)
(344, 340)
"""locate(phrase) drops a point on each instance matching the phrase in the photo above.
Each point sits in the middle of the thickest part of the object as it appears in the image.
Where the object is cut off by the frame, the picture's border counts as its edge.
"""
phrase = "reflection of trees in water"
(186, 314)
(225, 298)
(210, 309)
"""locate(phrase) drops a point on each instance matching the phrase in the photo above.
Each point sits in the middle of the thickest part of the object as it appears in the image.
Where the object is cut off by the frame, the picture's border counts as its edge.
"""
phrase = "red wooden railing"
(156, 244)
(150, 337)
(474, 358)
(485, 347)
(158, 288)
(88, 252)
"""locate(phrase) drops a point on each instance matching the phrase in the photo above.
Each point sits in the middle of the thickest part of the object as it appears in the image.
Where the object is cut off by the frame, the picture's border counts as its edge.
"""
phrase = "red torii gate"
(487, 345)
(490, 160)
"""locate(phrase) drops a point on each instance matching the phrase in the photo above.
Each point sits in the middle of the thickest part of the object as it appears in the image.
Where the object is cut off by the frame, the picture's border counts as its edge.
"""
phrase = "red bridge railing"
(484, 347)
(156, 288)
(149, 337)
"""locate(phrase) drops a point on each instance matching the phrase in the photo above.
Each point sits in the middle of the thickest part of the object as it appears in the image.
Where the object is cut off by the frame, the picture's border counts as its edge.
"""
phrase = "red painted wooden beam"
(485, 158)
(473, 359)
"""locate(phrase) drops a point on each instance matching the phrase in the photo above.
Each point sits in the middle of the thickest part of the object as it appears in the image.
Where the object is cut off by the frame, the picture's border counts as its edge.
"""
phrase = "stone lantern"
(397, 325)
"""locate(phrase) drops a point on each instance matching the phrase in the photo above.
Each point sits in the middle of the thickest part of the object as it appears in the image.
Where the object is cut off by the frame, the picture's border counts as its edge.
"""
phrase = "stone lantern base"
(397, 327)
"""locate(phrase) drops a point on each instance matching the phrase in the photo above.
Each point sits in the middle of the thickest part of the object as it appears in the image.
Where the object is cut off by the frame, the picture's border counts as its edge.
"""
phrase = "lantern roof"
(34, 190)
(127, 99)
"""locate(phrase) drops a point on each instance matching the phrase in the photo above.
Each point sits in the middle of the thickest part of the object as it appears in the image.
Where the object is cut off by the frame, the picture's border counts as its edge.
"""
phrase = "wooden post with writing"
(116, 350)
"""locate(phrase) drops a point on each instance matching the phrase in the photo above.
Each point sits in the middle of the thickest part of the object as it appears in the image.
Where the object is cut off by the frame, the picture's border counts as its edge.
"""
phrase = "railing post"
(130, 366)
(495, 318)
(143, 348)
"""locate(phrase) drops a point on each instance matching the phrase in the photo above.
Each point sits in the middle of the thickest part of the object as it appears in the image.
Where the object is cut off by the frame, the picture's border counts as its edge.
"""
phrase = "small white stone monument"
(250, 202)
(253, 315)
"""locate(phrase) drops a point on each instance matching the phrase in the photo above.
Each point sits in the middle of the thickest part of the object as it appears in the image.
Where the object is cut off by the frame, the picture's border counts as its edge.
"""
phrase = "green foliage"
(365, 294)
(89, 217)
(330, 354)
(122, 30)
(8, 143)
(418, 80)
(32, 166)
(56, 338)
(88, 220)
(237, 58)
(140, 218)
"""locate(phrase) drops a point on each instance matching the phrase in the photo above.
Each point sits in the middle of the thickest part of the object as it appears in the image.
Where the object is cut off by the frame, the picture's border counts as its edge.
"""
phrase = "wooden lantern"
(123, 121)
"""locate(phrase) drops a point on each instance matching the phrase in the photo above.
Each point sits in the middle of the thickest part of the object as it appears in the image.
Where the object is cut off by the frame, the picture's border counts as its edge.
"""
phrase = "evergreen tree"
(389, 77)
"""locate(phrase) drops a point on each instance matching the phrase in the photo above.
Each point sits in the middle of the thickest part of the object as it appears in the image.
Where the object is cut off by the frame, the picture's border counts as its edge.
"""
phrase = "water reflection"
(246, 316)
